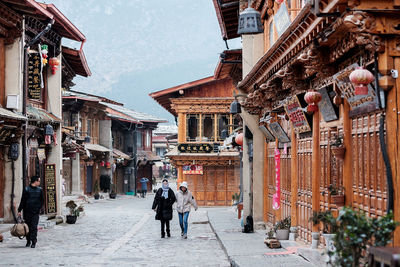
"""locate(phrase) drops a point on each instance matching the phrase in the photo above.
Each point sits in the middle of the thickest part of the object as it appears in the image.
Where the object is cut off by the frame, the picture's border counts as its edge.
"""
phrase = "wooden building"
(202, 111)
(316, 48)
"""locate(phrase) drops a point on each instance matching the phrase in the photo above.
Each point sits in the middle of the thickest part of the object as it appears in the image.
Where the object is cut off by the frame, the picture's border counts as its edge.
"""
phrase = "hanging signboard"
(50, 188)
(278, 132)
(276, 199)
(195, 148)
(34, 76)
(268, 136)
(282, 20)
(192, 169)
(326, 107)
(297, 116)
(359, 104)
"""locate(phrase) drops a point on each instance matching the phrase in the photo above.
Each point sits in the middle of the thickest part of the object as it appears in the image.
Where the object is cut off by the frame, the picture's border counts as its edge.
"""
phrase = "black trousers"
(32, 221)
(163, 223)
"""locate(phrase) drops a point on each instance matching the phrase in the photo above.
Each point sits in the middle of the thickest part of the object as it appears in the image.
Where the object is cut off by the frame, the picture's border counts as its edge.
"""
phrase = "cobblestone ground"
(119, 232)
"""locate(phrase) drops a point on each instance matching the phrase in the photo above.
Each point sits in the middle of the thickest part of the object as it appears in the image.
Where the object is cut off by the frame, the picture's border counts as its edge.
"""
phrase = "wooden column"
(316, 165)
(180, 176)
(2, 73)
(181, 128)
(265, 189)
(348, 160)
(393, 144)
(294, 179)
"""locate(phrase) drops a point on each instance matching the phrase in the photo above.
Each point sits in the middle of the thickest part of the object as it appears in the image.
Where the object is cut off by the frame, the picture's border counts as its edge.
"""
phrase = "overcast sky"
(135, 47)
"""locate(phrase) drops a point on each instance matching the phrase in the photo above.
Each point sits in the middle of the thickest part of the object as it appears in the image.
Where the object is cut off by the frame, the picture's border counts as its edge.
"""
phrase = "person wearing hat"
(184, 199)
(31, 203)
(162, 205)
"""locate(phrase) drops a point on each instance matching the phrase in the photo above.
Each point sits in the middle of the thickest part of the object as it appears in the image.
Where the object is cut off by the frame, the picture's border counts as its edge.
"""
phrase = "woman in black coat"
(162, 205)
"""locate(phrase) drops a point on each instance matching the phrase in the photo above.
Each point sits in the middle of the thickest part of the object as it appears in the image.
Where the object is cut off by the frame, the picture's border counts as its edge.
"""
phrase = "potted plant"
(235, 198)
(113, 193)
(336, 194)
(282, 229)
(96, 190)
(337, 146)
(74, 211)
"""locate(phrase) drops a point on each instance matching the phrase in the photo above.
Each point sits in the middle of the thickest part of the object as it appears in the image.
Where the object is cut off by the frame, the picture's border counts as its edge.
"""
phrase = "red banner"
(276, 199)
(192, 169)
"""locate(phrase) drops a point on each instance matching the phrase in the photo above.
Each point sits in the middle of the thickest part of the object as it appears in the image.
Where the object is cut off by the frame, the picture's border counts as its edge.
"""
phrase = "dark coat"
(32, 200)
(164, 206)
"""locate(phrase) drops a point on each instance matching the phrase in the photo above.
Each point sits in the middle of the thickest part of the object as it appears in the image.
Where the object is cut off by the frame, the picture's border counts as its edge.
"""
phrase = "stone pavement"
(249, 249)
(119, 232)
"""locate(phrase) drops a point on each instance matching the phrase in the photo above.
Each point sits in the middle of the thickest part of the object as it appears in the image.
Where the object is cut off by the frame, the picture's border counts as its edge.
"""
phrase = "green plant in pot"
(281, 229)
(96, 190)
(337, 147)
(74, 211)
(336, 194)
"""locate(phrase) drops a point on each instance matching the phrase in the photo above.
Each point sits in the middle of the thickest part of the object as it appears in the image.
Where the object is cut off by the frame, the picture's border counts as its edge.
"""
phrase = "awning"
(147, 156)
(38, 114)
(77, 60)
(119, 154)
(96, 147)
(5, 113)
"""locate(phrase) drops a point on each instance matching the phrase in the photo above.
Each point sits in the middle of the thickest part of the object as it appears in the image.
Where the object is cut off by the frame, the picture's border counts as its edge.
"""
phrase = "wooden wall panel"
(223, 88)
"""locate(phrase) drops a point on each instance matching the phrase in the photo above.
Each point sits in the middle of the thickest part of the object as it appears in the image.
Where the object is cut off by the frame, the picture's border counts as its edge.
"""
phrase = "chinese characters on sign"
(282, 20)
(296, 116)
(34, 76)
(326, 107)
(50, 186)
(192, 169)
(278, 132)
(195, 148)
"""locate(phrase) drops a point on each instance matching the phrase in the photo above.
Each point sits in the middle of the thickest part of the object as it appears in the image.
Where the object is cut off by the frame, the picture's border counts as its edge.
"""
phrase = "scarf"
(165, 189)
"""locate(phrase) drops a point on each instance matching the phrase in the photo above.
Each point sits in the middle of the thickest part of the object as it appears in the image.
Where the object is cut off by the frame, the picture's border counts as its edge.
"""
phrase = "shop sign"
(41, 154)
(276, 199)
(359, 104)
(268, 135)
(297, 116)
(195, 148)
(326, 107)
(34, 76)
(278, 132)
(192, 169)
(282, 20)
(50, 188)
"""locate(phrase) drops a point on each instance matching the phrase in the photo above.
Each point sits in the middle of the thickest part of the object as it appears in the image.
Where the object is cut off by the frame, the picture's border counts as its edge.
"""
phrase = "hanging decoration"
(279, 1)
(44, 51)
(360, 78)
(48, 134)
(54, 63)
(108, 165)
(102, 163)
(239, 139)
(312, 98)
(276, 199)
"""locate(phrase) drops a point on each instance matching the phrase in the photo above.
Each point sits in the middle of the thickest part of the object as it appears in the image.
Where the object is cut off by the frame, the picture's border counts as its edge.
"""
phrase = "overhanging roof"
(77, 60)
(228, 17)
(96, 147)
(29, 7)
(41, 115)
(227, 66)
(5, 113)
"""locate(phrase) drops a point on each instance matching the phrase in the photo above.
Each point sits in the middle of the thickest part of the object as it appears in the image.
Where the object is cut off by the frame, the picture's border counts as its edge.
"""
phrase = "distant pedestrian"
(144, 181)
(162, 205)
(31, 203)
(184, 200)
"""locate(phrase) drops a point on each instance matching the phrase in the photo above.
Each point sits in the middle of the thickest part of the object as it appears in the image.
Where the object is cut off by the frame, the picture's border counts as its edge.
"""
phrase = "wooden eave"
(228, 18)
(301, 33)
(225, 70)
(29, 7)
(77, 60)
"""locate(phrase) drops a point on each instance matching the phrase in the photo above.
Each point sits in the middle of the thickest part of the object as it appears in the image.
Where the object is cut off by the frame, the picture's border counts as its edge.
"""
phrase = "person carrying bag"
(20, 229)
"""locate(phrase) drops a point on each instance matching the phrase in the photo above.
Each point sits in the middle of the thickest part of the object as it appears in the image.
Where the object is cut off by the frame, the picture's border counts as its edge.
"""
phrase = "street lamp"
(250, 21)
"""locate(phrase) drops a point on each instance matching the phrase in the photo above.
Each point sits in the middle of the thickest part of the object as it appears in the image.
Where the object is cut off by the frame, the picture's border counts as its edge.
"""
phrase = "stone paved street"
(119, 232)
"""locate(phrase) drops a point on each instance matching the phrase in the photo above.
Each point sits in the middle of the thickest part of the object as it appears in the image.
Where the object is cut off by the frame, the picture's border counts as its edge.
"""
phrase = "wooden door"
(210, 185)
(286, 192)
(2, 183)
(304, 188)
(271, 218)
(89, 179)
(67, 175)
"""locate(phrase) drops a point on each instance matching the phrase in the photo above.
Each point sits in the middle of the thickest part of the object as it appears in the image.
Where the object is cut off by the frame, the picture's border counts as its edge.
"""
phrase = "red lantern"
(108, 165)
(54, 62)
(312, 98)
(239, 139)
(279, 1)
(101, 163)
(360, 78)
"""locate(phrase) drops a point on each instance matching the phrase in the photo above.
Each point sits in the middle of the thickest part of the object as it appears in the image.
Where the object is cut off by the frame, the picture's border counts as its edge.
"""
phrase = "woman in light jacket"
(184, 200)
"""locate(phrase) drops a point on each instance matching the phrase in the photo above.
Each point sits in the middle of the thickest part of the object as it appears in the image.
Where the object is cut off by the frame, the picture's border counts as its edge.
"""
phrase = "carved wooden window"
(223, 122)
(208, 122)
(192, 127)
(89, 127)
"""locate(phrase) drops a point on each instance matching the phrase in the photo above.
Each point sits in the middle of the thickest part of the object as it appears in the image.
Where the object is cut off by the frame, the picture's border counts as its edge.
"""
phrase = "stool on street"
(384, 256)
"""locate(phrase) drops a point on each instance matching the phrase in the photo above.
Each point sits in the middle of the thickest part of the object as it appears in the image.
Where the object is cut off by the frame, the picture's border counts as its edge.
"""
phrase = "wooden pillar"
(294, 179)
(265, 189)
(181, 128)
(348, 160)
(180, 176)
(316, 165)
(2, 73)
(393, 144)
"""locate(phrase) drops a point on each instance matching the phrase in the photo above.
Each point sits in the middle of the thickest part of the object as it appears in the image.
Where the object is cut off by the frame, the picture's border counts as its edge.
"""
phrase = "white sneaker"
(184, 236)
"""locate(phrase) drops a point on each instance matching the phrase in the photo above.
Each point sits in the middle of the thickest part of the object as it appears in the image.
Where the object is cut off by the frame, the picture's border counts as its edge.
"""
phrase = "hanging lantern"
(108, 165)
(360, 78)
(54, 62)
(312, 99)
(101, 163)
(239, 139)
(250, 21)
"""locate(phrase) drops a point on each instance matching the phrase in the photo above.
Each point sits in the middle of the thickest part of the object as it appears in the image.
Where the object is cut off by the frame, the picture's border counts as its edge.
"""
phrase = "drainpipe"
(25, 95)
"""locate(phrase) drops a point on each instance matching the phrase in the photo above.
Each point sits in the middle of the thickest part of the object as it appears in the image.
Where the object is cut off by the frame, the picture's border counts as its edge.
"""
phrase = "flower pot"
(113, 195)
(282, 234)
(338, 200)
(96, 196)
(338, 151)
(71, 219)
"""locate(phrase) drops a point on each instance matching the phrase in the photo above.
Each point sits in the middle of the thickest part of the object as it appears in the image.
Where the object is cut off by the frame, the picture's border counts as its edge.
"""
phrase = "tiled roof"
(38, 114)
(140, 116)
(5, 113)
(164, 129)
(76, 95)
